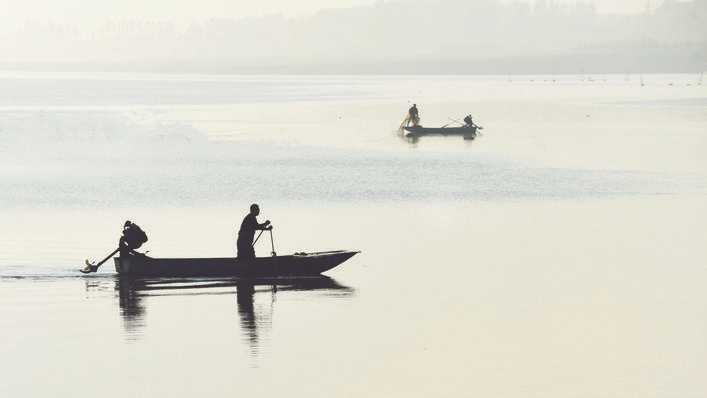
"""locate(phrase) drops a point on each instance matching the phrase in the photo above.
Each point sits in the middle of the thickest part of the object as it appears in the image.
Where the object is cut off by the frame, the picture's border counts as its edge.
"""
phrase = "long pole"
(256, 239)
(272, 244)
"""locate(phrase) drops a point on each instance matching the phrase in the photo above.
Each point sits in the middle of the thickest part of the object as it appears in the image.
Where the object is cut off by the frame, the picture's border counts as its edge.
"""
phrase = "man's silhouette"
(247, 233)
(413, 115)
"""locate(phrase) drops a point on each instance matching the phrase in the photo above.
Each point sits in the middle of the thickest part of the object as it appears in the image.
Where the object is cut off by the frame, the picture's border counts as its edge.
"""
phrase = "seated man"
(133, 237)
(469, 121)
(247, 233)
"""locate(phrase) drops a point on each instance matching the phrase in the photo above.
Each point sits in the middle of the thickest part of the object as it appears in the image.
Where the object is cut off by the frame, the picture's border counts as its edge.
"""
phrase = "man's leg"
(245, 250)
(123, 246)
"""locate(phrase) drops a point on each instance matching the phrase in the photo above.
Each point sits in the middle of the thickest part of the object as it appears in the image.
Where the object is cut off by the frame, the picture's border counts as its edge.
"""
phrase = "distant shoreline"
(100, 74)
(608, 61)
(73, 69)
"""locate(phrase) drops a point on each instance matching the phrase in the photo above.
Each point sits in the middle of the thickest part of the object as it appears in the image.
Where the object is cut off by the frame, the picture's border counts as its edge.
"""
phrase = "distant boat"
(298, 264)
(468, 132)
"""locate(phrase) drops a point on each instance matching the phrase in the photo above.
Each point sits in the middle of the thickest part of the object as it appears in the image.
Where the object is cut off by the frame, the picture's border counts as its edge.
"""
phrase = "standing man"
(247, 233)
(413, 115)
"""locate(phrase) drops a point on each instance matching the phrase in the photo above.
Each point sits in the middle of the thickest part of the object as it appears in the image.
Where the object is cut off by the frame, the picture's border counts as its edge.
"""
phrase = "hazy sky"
(18, 10)
(166, 8)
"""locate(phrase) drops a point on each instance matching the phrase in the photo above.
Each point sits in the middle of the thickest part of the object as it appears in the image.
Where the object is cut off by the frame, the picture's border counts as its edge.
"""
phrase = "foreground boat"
(419, 131)
(298, 264)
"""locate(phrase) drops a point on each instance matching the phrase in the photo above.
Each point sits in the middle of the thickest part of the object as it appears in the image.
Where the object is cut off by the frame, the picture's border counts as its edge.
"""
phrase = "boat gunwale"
(456, 130)
(294, 255)
(288, 265)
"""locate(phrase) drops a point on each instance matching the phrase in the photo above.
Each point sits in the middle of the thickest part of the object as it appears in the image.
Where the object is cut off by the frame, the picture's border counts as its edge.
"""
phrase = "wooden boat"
(419, 131)
(298, 264)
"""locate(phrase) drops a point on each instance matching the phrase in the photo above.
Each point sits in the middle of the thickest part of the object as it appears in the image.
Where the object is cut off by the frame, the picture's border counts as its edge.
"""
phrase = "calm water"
(561, 253)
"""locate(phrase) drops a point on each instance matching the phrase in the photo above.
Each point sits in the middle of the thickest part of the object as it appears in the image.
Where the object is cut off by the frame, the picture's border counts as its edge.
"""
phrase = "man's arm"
(264, 225)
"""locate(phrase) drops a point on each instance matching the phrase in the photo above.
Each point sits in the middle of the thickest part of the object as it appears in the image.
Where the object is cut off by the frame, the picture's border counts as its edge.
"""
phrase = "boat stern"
(123, 265)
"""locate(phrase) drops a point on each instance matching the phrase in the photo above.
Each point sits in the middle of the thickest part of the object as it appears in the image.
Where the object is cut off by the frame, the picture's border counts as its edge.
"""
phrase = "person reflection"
(132, 311)
(246, 310)
(254, 321)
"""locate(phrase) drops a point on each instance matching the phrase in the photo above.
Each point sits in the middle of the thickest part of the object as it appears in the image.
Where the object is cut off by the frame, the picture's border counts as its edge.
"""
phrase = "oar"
(92, 267)
(258, 237)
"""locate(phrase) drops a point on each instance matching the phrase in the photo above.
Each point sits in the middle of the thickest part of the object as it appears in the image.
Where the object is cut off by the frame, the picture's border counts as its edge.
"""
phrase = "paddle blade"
(90, 267)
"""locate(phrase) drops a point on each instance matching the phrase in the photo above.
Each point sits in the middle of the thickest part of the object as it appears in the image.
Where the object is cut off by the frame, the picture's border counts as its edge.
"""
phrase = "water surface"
(559, 254)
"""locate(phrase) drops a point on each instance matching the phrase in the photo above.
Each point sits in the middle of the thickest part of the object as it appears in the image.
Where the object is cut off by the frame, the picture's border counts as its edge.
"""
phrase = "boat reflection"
(414, 139)
(133, 291)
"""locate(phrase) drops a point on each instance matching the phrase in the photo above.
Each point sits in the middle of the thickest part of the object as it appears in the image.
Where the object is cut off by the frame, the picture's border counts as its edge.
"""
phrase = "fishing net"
(405, 122)
(409, 120)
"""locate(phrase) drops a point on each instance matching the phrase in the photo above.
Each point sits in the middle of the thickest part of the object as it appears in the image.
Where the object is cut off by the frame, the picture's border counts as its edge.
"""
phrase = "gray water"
(561, 253)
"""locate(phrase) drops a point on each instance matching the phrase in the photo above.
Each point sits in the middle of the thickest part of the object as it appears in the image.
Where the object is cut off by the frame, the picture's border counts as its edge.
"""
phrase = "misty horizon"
(447, 36)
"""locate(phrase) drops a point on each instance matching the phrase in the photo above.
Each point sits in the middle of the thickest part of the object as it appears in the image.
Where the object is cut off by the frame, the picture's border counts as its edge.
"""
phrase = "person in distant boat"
(247, 232)
(133, 237)
(469, 122)
(413, 115)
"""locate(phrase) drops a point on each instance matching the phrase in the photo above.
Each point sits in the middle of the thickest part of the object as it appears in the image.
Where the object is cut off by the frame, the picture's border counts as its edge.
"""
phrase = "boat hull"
(304, 264)
(419, 131)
